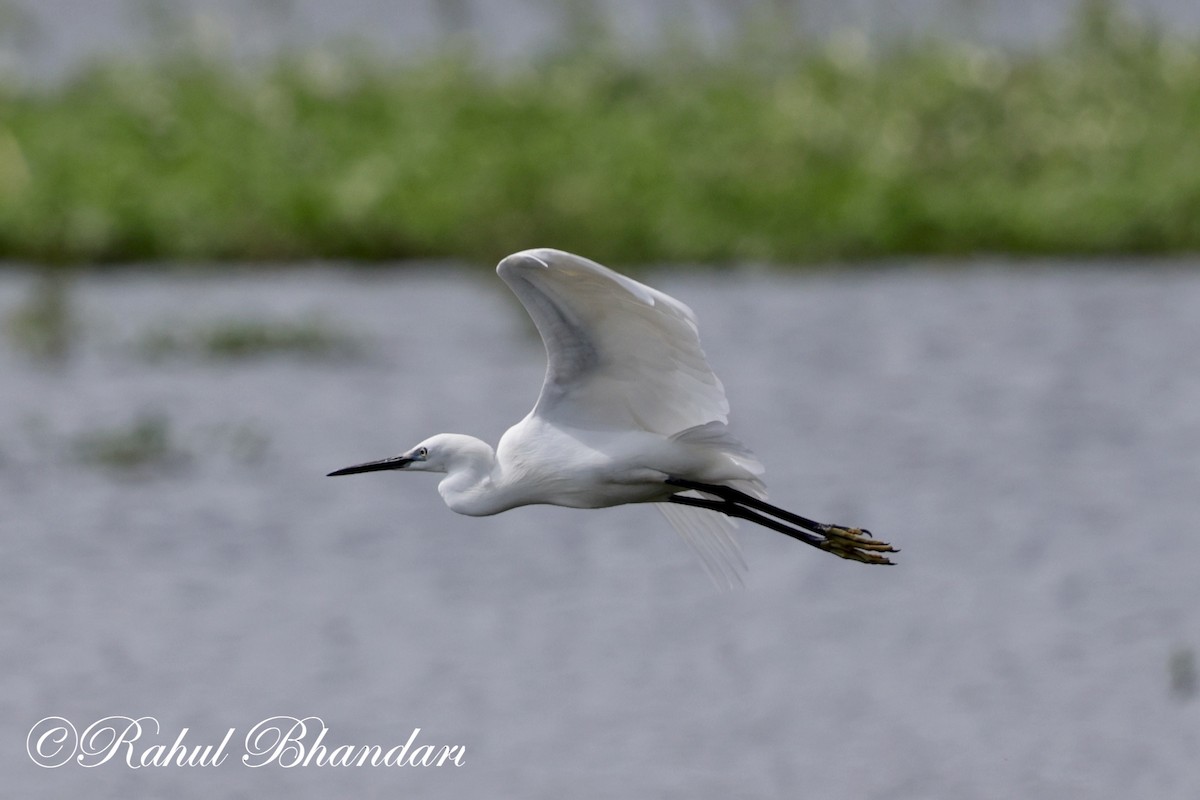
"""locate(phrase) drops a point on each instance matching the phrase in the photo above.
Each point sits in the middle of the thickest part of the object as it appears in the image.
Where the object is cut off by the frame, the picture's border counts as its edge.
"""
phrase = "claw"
(855, 544)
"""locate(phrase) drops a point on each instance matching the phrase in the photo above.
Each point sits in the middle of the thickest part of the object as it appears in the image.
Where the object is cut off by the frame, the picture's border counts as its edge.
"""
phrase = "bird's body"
(537, 462)
(630, 412)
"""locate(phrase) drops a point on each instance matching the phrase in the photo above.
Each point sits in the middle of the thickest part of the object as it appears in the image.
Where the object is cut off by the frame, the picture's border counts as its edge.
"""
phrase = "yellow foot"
(855, 544)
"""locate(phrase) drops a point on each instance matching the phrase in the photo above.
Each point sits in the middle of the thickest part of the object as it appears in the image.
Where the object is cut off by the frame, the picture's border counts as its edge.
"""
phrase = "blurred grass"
(145, 444)
(46, 324)
(242, 339)
(771, 150)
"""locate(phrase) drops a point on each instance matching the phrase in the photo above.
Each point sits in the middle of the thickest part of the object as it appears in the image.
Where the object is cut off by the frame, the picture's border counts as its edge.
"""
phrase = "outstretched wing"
(620, 354)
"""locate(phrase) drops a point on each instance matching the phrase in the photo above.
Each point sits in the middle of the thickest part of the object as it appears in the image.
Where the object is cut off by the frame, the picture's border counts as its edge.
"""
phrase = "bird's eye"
(423, 452)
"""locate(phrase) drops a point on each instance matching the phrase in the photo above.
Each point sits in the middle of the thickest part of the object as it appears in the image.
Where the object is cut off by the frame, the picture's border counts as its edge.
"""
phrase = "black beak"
(396, 462)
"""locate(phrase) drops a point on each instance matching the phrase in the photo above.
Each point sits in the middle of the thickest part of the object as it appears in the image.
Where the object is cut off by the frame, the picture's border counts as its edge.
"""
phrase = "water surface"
(48, 38)
(1027, 435)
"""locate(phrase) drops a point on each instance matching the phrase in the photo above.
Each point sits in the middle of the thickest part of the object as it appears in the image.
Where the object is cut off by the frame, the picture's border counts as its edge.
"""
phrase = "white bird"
(629, 412)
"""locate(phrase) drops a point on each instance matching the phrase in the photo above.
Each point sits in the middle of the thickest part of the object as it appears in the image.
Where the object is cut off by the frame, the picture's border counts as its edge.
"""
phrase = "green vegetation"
(144, 444)
(45, 325)
(776, 151)
(250, 338)
(148, 445)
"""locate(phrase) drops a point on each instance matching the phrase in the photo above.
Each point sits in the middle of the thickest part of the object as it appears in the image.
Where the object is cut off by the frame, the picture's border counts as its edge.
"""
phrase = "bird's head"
(440, 453)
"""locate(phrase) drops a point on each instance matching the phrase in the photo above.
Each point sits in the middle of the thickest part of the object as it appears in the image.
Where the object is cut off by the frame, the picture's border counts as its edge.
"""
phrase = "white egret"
(630, 412)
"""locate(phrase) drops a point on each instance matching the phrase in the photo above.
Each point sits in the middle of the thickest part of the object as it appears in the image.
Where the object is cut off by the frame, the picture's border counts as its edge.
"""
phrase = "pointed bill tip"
(397, 462)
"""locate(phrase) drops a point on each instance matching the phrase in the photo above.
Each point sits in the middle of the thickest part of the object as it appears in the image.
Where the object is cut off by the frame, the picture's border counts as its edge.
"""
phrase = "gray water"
(1029, 436)
(48, 38)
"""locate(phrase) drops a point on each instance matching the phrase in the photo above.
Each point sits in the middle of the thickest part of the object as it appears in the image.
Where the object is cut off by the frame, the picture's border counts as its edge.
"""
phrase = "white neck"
(468, 487)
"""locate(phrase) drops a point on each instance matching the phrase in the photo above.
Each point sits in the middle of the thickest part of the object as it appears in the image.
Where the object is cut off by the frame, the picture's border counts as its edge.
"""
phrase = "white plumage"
(629, 412)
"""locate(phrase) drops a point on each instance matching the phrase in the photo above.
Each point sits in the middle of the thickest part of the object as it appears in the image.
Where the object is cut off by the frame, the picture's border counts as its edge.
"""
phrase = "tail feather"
(715, 436)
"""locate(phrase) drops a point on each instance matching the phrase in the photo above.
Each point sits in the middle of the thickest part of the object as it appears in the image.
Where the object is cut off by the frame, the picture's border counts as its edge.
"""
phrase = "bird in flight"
(629, 412)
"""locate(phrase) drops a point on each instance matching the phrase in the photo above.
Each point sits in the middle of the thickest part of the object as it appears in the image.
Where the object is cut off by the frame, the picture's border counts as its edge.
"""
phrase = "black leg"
(851, 543)
(734, 496)
(730, 509)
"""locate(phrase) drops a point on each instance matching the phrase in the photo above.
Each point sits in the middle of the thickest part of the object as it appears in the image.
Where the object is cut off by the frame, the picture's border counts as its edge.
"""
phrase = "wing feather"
(712, 538)
(620, 355)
